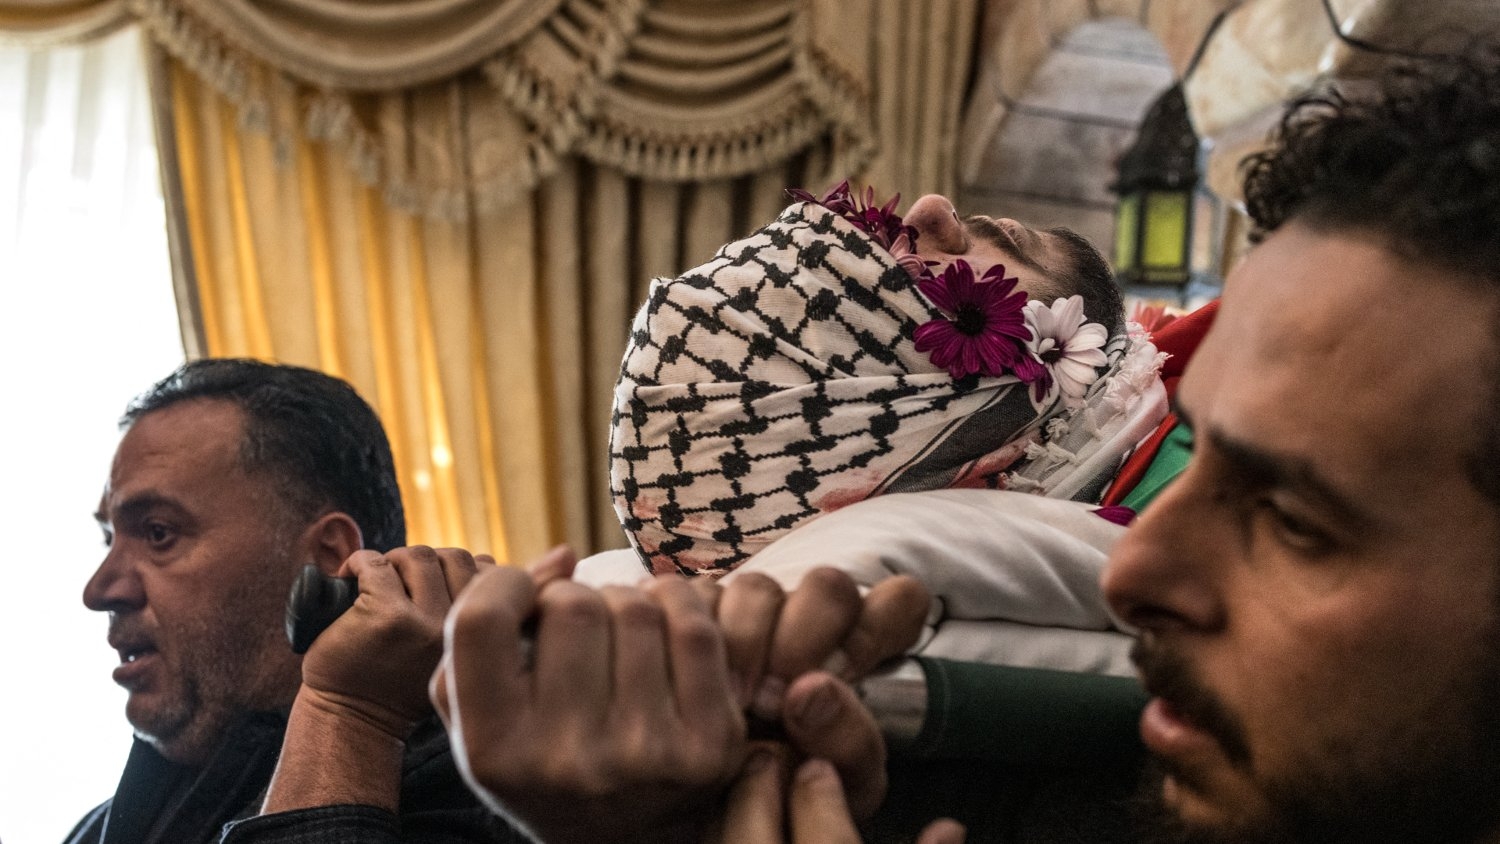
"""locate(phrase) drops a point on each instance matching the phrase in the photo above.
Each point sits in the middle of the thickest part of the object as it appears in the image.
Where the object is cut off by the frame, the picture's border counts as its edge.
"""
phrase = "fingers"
(429, 578)
(762, 801)
(697, 650)
(889, 624)
(748, 609)
(943, 831)
(814, 622)
(819, 813)
(484, 667)
(754, 812)
(773, 637)
(824, 718)
(642, 681)
(556, 564)
(572, 653)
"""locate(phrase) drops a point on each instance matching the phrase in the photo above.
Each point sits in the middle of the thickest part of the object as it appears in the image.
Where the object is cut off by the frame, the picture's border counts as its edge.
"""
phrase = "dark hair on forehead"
(1411, 159)
(1092, 277)
(1087, 273)
(310, 432)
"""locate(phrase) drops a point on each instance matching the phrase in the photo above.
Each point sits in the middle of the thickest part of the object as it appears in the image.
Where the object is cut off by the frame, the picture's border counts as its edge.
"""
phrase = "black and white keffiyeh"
(778, 382)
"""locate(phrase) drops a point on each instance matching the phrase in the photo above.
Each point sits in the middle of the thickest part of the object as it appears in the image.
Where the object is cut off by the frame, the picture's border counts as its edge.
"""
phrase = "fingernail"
(819, 709)
(769, 698)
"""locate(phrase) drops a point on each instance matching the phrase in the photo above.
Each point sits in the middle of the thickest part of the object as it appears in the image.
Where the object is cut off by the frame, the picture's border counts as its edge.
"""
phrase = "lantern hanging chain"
(1362, 44)
(1208, 34)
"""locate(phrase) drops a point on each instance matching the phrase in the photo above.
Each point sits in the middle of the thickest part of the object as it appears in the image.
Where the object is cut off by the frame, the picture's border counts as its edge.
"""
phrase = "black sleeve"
(368, 825)
(436, 808)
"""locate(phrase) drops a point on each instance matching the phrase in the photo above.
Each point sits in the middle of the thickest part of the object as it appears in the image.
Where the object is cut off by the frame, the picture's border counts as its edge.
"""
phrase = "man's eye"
(1294, 531)
(158, 534)
(109, 538)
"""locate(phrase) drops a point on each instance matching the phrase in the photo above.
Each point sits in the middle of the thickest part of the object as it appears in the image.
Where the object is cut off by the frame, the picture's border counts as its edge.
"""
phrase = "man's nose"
(1163, 573)
(937, 224)
(115, 585)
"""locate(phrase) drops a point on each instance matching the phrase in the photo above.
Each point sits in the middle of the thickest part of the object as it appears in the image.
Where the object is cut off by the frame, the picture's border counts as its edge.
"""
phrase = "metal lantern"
(1157, 184)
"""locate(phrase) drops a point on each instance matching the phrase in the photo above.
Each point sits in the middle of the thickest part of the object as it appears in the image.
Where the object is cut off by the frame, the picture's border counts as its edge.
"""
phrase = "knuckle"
(469, 618)
(631, 608)
(574, 607)
(757, 588)
(456, 555)
(831, 580)
(697, 635)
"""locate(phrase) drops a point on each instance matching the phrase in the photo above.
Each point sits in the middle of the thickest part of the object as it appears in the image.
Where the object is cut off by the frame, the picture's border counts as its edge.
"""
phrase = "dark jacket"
(162, 802)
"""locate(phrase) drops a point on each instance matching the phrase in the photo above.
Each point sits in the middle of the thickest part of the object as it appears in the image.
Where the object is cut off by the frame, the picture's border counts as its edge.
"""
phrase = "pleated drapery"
(458, 205)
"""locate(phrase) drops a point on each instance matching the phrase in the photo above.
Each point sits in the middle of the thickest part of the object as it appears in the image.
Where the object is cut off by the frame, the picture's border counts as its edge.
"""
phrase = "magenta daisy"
(983, 329)
(1069, 347)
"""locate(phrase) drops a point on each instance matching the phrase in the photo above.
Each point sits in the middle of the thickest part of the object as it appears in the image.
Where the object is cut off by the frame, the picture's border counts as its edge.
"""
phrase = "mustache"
(1167, 675)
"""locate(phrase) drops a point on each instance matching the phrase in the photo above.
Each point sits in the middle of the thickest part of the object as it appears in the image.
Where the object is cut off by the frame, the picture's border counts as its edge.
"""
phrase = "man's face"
(1317, 593)
(1033, 257)
(195, 579)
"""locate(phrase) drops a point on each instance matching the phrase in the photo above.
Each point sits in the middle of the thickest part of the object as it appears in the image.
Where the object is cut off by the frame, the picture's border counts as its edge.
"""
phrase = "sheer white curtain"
(87, 319)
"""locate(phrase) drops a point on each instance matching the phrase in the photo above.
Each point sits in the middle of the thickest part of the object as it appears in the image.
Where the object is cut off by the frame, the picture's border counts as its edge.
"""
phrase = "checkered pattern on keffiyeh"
(778, 382)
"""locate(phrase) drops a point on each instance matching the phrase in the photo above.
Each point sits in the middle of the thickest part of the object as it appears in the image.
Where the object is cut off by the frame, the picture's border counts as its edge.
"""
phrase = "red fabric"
(1180, 338)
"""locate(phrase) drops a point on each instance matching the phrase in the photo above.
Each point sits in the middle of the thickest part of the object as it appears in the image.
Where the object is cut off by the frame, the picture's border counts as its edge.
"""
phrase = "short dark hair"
(1088, 274)
(1412, 160)
(1094, 280)
(323, 444)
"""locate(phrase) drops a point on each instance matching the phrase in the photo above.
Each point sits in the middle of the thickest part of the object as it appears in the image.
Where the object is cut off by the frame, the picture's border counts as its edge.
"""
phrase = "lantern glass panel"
(1127, 232)
(1165, 241)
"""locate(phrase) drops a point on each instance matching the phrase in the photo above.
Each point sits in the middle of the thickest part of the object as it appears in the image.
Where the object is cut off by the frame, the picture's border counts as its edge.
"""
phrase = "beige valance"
(44, 22)
(359, 45)
(477, 115)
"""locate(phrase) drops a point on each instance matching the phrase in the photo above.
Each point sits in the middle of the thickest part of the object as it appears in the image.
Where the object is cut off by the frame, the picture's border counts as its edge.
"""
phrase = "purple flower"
(880, 222)
(983, 328)
(1116, 513)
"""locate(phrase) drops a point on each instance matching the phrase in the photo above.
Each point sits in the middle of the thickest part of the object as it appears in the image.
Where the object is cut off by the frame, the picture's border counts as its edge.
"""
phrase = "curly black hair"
(1412, 158)
(310, 431)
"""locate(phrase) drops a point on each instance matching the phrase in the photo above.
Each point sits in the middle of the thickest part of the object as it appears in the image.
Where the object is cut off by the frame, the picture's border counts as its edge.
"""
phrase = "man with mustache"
(1318, 594)
(231, 475)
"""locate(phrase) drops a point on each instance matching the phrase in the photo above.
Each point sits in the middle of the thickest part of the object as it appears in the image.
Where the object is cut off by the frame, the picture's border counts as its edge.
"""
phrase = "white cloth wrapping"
(1014, 577)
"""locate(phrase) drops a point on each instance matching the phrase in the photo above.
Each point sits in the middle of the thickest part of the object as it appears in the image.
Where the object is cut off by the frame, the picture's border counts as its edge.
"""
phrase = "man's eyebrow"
(136, 507)
(1262, 468)
(986, 228)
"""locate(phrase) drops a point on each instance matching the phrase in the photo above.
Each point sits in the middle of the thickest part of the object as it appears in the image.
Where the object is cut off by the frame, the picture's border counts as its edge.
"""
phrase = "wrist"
(335, 754)
(357, 716)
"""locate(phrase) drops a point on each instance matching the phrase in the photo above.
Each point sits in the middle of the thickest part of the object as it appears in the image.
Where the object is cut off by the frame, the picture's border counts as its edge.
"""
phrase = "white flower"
(1069, 347)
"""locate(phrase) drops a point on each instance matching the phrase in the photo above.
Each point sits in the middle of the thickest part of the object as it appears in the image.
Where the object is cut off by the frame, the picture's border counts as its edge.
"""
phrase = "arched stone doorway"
(1054, 157)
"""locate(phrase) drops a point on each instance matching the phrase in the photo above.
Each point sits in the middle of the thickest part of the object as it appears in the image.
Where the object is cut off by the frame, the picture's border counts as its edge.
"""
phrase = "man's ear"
(330, 540)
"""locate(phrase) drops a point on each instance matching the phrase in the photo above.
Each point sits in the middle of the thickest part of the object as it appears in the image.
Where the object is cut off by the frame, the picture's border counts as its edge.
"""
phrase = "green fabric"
(1027, 716)
(1018, 755)
(1169, 462)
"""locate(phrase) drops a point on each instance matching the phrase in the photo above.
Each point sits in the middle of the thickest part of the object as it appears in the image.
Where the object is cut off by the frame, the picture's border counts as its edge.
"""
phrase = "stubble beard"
(226, 663)
(1429, 783)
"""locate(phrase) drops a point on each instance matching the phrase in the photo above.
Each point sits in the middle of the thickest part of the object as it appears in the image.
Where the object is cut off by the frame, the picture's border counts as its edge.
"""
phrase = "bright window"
(88, 321)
